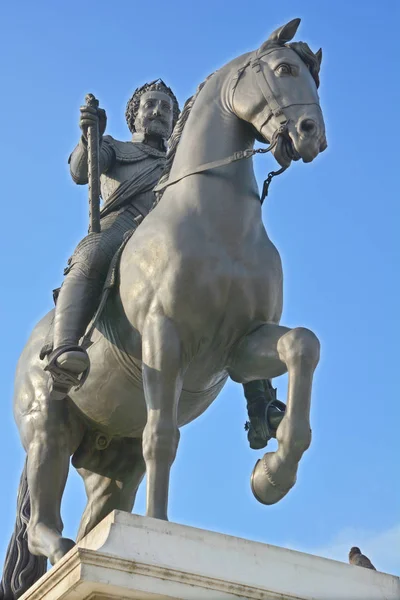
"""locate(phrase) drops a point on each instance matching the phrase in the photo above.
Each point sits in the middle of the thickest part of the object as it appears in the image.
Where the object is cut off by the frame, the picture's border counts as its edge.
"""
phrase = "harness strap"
(212, 165)
(266, 90)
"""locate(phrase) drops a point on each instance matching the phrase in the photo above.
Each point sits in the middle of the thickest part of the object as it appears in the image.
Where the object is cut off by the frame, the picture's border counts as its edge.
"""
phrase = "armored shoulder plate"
(129, 152)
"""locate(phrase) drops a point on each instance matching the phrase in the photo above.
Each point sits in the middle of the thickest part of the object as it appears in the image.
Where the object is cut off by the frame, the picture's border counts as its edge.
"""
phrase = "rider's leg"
(80, 292)
(111, 476)
(77, 301)
(261, 402)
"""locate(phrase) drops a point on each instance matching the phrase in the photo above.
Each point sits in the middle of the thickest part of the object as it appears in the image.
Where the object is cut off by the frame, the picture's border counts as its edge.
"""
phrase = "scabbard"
(93, 139)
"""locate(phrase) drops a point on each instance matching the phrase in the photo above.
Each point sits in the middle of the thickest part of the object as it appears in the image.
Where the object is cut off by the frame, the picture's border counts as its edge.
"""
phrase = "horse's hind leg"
(269, 352)
(50, 434)
(111, 476)
(162, 378)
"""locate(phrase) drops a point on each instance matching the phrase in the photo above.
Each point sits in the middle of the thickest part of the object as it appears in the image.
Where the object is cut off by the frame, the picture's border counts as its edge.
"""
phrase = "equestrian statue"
(176, 287)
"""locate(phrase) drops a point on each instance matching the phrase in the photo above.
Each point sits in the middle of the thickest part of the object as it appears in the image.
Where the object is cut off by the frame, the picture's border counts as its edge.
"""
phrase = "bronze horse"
(199, 300)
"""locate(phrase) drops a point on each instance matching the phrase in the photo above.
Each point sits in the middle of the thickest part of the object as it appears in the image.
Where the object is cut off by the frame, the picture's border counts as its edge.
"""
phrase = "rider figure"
(129, 171)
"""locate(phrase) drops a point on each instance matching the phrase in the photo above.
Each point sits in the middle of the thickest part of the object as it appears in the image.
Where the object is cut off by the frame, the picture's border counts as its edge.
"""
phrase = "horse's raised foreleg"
(111, 476)
(269, 352)
(162, 379)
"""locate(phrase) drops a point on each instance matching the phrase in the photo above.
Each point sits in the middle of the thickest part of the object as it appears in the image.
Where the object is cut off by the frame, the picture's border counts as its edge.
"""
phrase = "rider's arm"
(78, 160)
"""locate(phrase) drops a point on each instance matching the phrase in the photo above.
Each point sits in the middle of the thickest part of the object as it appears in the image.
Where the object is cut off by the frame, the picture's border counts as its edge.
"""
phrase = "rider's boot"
(69, 363)
(261, 400)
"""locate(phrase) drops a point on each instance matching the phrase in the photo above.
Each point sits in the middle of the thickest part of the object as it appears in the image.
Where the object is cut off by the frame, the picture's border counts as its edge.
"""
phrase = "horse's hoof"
(64, 546)
(270, 480)
(46, 541)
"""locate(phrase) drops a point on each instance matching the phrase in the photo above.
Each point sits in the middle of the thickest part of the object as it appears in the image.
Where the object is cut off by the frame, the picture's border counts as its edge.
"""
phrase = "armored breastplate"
(131, 161)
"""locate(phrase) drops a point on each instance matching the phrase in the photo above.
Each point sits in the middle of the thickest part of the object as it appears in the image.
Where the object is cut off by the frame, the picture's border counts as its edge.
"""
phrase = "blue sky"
(335, 223)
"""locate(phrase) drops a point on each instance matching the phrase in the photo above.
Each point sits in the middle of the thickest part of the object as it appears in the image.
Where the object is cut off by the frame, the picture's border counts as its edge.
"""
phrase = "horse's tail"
(21, 568)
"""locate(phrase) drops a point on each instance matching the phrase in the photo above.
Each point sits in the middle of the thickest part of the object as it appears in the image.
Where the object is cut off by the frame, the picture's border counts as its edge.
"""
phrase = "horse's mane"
(302, 49)
(308, 57)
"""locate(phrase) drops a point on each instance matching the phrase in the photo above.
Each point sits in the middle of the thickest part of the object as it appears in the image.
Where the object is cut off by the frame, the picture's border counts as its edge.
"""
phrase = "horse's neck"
(214, 132)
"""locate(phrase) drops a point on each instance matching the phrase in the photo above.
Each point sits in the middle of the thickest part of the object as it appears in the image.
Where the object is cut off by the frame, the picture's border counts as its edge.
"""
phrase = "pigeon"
(356, 558)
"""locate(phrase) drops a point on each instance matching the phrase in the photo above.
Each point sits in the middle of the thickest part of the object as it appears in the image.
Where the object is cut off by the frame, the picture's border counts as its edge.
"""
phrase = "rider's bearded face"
(155, 114)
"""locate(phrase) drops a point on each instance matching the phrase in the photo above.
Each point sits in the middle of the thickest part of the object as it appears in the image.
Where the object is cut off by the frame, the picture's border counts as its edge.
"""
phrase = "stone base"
(127, 556)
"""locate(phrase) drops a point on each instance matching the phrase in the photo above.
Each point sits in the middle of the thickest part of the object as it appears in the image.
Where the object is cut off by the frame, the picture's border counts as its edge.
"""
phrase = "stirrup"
(64, 380)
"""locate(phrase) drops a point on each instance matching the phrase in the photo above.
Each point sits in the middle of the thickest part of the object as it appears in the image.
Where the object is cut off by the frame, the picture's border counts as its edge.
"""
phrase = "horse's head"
(276, 92)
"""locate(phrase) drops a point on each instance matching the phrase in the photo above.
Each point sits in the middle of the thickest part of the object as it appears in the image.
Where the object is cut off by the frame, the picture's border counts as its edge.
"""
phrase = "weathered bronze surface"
(198, 300)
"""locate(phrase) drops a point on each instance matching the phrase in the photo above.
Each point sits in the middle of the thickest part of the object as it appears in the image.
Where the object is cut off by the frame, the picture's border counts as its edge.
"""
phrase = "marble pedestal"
(127, 556)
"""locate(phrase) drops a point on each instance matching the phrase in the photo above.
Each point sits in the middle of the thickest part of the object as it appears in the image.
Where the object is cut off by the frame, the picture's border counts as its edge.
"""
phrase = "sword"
(93, 169)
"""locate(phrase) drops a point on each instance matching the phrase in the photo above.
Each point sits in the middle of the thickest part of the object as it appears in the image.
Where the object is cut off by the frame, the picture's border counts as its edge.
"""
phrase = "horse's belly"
(126, 417)
(112, 398)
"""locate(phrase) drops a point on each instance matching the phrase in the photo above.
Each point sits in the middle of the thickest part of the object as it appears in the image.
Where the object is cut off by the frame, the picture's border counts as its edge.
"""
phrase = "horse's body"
(199, 299)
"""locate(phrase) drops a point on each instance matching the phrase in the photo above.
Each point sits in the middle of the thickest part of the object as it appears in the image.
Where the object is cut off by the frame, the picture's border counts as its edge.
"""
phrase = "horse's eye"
(283, 69)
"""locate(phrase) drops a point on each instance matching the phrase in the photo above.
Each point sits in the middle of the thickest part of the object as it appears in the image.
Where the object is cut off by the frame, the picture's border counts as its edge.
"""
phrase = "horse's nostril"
(307, 126)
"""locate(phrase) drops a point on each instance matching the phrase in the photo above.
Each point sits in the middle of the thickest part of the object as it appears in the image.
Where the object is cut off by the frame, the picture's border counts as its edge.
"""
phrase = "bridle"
(272, 109)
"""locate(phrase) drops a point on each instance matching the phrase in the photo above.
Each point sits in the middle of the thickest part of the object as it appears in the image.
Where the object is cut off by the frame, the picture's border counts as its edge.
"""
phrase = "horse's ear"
(283, 34)
(318, 54)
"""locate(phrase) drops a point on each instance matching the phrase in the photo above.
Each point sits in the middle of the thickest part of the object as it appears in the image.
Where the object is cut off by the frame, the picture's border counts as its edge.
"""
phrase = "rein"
(236, 156)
